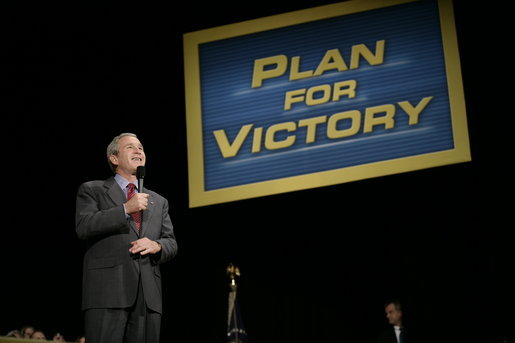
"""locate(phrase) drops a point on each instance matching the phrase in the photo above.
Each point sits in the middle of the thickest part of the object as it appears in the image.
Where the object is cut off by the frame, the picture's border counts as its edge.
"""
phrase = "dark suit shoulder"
(98, 183)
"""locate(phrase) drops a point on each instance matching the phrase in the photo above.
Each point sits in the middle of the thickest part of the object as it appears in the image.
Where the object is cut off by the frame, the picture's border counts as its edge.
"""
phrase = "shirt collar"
(122, 182)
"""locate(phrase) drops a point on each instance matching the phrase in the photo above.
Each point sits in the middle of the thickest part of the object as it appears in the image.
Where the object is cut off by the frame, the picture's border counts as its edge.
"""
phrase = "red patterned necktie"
(130, 193)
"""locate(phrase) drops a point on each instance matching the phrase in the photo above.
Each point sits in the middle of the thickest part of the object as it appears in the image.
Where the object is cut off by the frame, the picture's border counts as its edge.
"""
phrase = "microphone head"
(140, 172)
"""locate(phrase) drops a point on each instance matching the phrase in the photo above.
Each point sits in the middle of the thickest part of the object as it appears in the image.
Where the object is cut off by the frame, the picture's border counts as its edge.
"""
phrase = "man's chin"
(134, 171)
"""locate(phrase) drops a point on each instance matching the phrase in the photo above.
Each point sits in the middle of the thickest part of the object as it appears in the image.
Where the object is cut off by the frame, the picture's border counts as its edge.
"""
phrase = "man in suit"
(128, 233)
(397, 332)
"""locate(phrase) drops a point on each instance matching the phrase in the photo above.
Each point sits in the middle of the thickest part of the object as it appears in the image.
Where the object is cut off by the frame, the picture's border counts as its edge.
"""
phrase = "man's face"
(393, 315)
(130, 155)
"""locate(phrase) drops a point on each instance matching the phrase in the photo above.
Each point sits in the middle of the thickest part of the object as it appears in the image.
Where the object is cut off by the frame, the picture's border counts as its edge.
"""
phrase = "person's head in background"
(38, 334)
(393, 311)
(27, 331)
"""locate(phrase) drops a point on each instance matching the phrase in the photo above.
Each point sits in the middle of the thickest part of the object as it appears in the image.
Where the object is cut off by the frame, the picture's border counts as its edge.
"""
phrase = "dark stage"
(316, 264)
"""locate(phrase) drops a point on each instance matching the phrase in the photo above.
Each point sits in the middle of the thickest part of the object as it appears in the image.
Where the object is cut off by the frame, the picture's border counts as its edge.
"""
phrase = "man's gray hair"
(113, 148)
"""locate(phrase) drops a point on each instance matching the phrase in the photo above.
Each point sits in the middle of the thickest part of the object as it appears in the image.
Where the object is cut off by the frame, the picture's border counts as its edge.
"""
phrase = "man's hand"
(145, 246)
(138, 202)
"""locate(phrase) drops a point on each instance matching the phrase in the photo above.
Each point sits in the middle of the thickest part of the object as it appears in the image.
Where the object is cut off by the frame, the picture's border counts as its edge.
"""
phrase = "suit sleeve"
(92, 219)
(166, 239)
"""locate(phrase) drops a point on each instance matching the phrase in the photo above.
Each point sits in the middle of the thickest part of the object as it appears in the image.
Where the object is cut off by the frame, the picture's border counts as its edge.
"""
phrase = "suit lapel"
(116, 194)
(114, 191)
(147, 214)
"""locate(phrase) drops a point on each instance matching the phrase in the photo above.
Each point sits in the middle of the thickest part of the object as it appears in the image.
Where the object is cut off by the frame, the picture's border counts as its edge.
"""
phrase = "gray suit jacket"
(110, 273)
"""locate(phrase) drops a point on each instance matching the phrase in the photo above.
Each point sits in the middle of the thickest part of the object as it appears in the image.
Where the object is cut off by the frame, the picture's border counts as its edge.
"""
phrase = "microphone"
(140, 174)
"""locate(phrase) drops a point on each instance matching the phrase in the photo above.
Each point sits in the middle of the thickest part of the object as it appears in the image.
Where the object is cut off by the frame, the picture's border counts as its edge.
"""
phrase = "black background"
(316, 264)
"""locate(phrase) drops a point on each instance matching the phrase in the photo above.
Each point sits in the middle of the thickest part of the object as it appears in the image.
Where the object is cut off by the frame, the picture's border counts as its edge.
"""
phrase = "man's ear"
(113, 159)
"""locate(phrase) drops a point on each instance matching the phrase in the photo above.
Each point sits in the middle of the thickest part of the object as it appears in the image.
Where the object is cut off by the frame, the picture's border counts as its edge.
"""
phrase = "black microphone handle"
(141, 175)
(140, 189)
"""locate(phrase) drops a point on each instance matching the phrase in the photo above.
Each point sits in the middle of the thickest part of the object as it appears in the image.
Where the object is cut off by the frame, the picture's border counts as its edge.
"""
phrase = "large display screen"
(323, 96)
